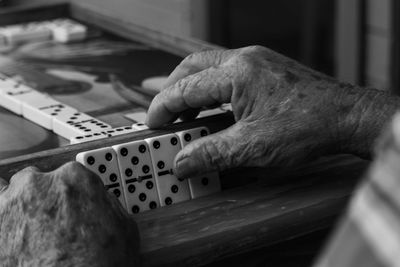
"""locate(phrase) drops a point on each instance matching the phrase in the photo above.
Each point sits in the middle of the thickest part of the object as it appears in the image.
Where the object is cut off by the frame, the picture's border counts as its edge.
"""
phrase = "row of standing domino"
(140, 173)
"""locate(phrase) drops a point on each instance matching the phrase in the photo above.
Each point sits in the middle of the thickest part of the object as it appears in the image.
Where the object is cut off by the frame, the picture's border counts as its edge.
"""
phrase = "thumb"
(219, 151)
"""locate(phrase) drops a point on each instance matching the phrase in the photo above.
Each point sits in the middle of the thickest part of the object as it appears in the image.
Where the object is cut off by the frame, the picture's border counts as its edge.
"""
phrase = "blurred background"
(353, 40)
(356, 41)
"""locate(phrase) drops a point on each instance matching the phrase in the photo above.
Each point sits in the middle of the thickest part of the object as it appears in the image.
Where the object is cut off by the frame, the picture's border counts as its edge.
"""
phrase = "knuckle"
(192, 90)
(190, 58)
(254, 49)
(213, 57)
(184, 86)
(249, 65)
(244, 60)
(202, 58)
(158, 100)
(251, 55)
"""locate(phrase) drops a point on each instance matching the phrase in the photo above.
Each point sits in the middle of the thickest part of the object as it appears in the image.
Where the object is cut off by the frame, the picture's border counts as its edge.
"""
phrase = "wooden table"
(258, 213)
(241, 220)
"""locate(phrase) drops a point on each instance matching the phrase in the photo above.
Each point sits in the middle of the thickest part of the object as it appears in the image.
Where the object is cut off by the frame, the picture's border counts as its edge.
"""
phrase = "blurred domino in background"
(66, 30)
(29, 32)
(59, 30)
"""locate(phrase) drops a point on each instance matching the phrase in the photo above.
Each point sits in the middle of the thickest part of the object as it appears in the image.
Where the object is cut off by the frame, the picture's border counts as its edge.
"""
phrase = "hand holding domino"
(285, 113)
(206, 183)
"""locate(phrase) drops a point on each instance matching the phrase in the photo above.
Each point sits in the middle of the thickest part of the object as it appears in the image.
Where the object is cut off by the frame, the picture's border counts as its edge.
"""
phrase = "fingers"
(197, 62)
(226, 149)
(208, 87)
(201, 62)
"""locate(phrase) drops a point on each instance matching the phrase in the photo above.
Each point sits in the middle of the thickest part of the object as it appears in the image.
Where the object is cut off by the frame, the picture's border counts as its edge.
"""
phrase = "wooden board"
(243, 219)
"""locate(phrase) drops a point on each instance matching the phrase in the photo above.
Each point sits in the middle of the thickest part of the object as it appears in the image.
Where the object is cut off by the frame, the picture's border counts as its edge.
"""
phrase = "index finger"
(206, 88)
(197, 62)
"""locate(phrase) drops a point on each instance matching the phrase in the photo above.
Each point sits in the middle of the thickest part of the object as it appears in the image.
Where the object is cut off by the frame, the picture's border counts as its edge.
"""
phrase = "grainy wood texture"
(250, 217)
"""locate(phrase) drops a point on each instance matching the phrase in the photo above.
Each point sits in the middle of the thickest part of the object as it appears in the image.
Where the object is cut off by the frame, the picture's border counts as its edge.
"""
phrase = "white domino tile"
(101, 134)
(87, 138)
(70, 124)
(29, 32)
(137, 176)
(34, 107)
(11, 95)
(207, 183)
(66, 30)
(139, 126)
(163, 150)
(104, 163)
(119, 131)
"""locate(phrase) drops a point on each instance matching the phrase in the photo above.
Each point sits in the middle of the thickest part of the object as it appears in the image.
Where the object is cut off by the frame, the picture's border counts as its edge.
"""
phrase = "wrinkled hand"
(285, 113)
(63, 218)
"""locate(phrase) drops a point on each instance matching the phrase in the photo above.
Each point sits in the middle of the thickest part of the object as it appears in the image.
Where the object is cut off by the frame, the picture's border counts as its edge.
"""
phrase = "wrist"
(363, 113)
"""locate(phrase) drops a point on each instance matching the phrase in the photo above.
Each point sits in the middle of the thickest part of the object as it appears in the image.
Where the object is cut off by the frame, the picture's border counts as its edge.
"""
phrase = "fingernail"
(185, 167)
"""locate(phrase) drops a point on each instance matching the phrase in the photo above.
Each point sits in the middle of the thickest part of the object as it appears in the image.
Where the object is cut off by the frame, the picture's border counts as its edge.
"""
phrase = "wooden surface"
(257, 207)
(247, 218)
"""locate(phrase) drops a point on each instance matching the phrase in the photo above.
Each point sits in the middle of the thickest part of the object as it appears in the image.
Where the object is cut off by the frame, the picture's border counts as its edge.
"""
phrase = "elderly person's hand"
(285, 113)
(63, 218)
